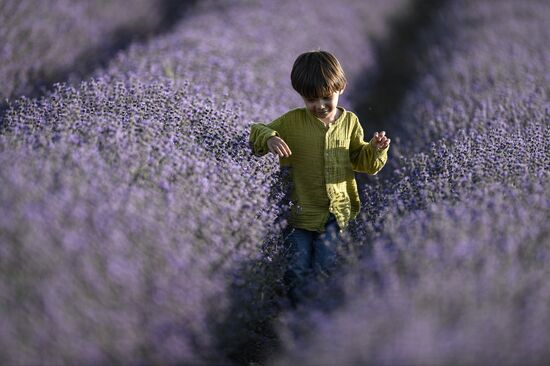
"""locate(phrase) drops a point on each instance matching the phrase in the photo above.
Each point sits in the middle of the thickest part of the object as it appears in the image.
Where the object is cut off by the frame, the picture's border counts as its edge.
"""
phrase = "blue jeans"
(310, 254)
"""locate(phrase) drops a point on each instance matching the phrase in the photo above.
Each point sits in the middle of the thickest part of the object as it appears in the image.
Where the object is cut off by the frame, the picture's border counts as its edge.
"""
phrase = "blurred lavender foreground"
(135, 226)
(454, 264)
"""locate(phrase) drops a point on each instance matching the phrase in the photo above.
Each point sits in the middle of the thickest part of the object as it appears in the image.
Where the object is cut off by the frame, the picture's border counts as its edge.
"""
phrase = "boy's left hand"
(380, 140)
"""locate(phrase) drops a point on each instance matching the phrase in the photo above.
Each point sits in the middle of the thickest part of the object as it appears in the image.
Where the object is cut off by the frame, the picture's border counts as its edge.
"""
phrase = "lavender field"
(137, 228)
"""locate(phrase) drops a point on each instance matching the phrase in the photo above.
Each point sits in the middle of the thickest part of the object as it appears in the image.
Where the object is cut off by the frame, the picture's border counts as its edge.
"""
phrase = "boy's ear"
(341, 91)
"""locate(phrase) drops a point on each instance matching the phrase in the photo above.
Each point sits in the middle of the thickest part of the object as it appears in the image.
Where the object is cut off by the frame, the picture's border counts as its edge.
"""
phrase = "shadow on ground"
(257, 295)
(377, 98)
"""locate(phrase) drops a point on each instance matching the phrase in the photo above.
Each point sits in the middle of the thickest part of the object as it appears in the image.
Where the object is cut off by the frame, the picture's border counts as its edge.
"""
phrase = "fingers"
(384, 144)
(285, 149)
(282, 151)
(279, 147)
(380, 135)
(380, 140)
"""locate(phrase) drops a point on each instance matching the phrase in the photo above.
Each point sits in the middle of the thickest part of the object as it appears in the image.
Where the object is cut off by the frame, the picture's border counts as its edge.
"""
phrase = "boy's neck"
(328, 121)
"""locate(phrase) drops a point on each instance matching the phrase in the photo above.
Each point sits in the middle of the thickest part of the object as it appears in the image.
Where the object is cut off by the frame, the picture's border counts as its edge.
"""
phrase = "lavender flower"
(450, 252)
(134, 203)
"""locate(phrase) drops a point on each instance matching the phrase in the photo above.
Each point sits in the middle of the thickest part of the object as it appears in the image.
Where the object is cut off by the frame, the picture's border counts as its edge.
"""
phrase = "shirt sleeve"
(365, 156)
(260, 133)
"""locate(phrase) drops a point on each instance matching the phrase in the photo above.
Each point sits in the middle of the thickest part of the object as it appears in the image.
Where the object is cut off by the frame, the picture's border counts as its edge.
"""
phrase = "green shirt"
(322, 164)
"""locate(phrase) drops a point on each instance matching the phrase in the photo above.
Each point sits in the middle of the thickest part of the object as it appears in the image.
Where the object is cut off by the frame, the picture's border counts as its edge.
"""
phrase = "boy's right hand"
(278, 147)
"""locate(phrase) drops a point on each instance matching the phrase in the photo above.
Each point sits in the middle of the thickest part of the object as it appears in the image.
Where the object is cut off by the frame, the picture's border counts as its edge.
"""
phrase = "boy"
(323, 145)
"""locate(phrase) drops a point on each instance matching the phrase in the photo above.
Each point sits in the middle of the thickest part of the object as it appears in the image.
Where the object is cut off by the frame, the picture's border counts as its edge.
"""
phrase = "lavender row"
(422, 274)
(42, 40)
(456, 283)
(453, 248)
(139, 194)
(494, 67)
(242, 60)
(120, 231)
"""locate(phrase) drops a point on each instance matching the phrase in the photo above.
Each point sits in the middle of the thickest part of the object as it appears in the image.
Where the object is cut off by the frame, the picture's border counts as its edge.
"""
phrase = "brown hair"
(317, 74)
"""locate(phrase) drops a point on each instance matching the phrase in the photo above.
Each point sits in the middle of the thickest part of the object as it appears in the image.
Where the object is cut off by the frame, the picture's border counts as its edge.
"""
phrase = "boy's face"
(323, 108)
